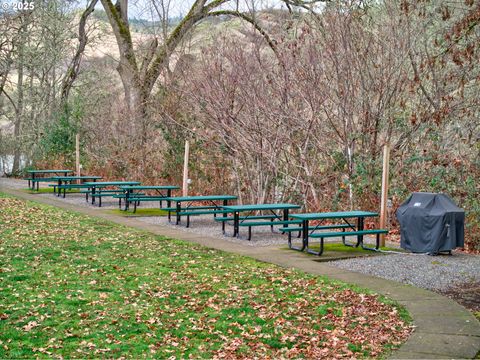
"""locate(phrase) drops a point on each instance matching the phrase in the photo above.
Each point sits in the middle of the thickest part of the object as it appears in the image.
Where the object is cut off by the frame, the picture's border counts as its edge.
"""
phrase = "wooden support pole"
(383, 204)
(185, 168)
(77, 154)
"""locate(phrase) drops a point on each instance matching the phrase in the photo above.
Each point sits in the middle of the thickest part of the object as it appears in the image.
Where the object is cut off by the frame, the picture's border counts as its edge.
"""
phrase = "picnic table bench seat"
(89, 192)
(70, 182)
(70, 186)
(138, 193)
(157, 198)
(43, 179)
(139, 196)
(253, 217)
(104, 191)
(321, 227)
(102, 194)
(144, 197)
(214, 206)
(174, 209)
(192, 211)
(291, 229)
(343, 234)
(65, 187)
(100, 189)
(270, 223)
(136, 198)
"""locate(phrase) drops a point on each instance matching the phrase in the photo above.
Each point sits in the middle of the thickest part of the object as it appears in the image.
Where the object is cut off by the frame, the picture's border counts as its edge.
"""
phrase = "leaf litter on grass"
(74, 286)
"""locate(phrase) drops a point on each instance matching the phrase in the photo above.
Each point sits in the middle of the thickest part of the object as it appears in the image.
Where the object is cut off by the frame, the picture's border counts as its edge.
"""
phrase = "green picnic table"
(34, 179)
(355, 227)
(162, 193)
(63, 181)
(99, 185)
(272, 219)
(212, 206)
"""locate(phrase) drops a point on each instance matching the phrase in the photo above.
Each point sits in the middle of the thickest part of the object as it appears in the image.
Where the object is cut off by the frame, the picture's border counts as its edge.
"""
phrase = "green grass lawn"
(75, 286)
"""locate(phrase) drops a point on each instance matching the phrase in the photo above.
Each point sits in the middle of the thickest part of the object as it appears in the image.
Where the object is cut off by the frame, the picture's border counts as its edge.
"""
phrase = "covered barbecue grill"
(430, 223)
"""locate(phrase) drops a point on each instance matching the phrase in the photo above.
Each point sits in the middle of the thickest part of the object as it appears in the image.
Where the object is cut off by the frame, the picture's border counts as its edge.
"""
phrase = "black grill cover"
(430, 223)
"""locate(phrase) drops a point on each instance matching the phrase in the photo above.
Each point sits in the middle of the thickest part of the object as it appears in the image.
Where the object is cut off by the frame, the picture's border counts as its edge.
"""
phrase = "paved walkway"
(444, 329)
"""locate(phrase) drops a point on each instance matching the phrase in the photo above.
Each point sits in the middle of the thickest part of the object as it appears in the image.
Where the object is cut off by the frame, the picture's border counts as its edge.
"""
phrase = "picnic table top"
(252, 207)
(334, 215)
(149, 187)
(112, 183)
(201, 198)
(76, 177)
(48, 171)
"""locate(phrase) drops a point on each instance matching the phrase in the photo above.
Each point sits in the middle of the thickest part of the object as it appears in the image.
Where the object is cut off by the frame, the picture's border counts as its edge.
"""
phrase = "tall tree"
(24, 18)
(139, 75)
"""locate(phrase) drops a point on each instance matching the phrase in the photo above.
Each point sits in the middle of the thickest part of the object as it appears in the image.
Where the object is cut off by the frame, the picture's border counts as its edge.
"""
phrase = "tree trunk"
(19, 107)
(136, 99)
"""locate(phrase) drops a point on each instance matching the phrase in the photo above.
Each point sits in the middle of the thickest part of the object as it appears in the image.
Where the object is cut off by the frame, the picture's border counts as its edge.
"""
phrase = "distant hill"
(137, 24)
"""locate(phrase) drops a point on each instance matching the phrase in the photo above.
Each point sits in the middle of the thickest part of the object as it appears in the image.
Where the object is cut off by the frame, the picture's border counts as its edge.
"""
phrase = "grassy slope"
(75, 286)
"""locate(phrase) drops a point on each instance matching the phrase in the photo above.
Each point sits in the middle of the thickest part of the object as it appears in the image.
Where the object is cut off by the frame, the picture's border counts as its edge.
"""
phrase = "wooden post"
(185, 168)
(383, 204)
(77, 155)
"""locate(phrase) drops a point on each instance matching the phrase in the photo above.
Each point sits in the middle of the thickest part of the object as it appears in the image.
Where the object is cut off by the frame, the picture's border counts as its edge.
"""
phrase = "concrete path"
(444, 329)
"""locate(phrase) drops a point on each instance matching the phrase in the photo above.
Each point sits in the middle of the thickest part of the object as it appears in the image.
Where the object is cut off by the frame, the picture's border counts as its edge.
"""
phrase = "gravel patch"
(206, 225)
(13, 183)
(429, 272)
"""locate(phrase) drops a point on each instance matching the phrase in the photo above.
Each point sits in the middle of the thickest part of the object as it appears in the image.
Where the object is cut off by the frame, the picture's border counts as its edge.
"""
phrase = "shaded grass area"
(337, 251)
(339, 247)
(140, 212)
(74, 286)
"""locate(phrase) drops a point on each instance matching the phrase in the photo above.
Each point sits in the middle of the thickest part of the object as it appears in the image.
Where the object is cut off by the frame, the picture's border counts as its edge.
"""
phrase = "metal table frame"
(103, 184)
(344, 215)
(128, 190)
(237, 209)
(47, 171)
(69, 179)
(192, 199)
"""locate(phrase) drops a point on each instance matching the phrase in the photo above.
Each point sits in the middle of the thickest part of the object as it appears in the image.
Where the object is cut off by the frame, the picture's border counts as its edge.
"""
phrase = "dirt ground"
(468, 295)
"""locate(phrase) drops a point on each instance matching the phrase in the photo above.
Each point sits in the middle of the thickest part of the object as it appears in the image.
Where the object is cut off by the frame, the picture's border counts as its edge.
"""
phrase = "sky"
(143, 9)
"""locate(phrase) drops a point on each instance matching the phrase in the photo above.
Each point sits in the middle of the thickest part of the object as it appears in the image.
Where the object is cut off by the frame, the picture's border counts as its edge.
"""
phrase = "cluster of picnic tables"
(307, 226)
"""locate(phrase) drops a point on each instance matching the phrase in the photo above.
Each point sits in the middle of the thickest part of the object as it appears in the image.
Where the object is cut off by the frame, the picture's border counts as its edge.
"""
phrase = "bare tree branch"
(255, 24)
(74, 67)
